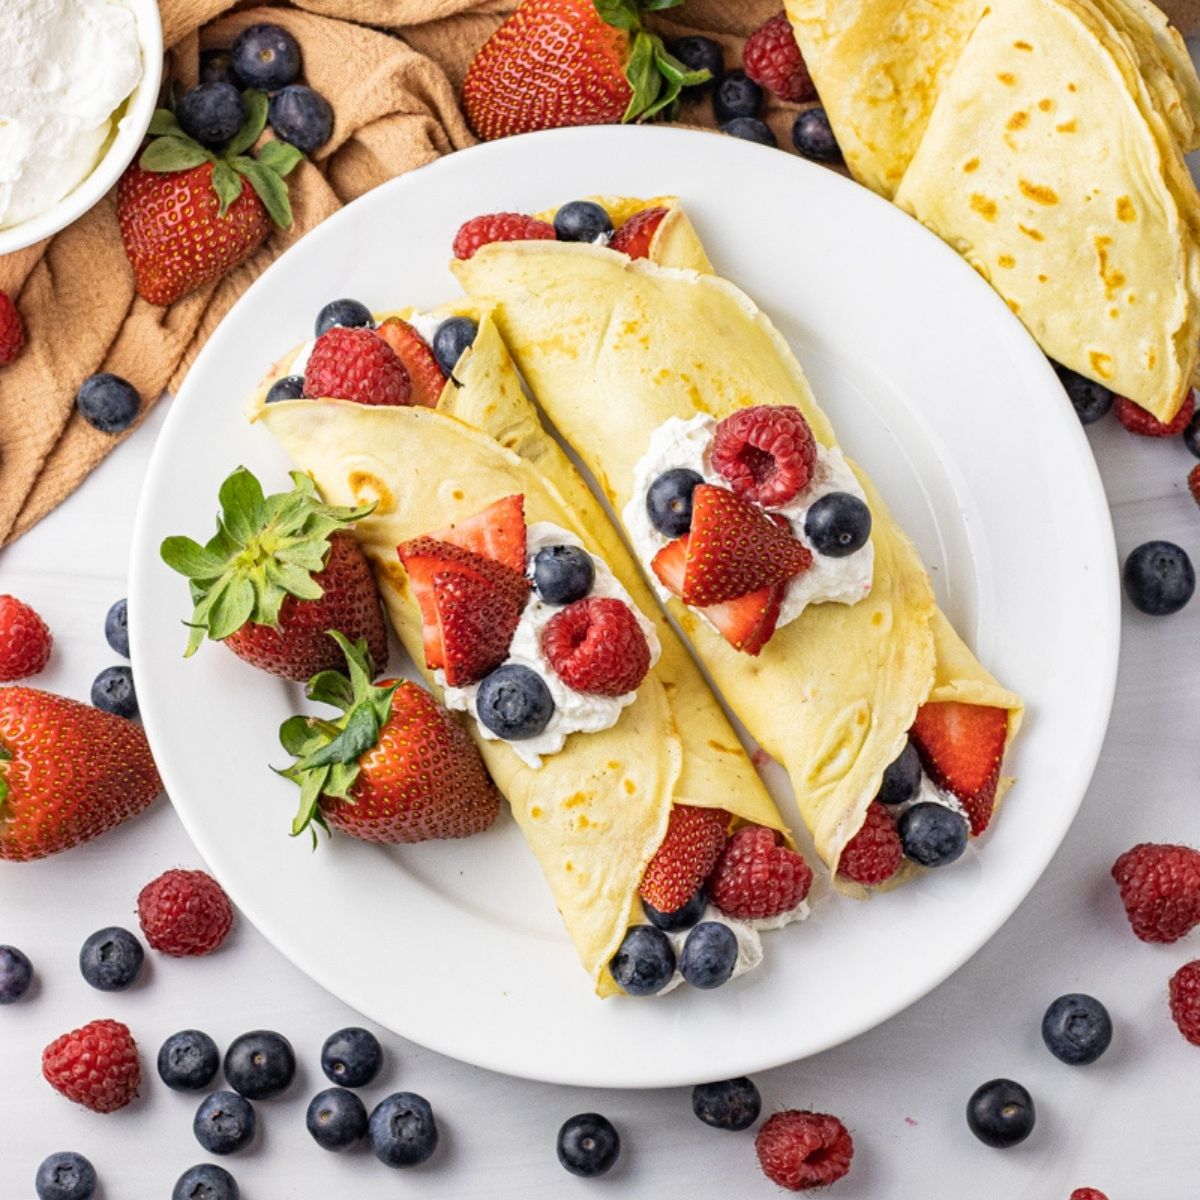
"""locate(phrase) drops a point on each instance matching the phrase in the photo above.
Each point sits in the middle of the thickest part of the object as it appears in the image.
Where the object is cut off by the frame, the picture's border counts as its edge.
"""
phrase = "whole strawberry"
(12, 332)
(278, 575)
(1184, 991)
(801, 1150)
(772, 58)
(1160, 888)
(68, 773)
(25, 641)
(95, 1065)
(756, 878)
(184, 913)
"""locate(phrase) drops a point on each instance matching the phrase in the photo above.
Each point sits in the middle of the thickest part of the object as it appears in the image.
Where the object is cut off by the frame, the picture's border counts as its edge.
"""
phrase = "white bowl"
(131, 128)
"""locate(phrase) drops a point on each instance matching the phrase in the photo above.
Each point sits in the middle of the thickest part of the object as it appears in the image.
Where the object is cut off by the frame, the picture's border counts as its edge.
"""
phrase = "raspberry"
(755, 878)
(184, 913)
(1138, 420)
(596, 645)
(356, 364)
(96, 1065)
(800, 1150)
(1193, 481)
(12, 332)
(688, 852)
(24, 640)
(766, 452)
(874, 853)
(772, 58)
(1160, 888)
(635, 236)
(499, 227)
(1087, 1194)
(1185, 1000)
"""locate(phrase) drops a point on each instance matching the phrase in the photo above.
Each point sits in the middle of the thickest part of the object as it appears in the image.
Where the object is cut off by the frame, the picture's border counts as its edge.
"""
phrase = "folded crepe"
(833, 694)
(595, 812)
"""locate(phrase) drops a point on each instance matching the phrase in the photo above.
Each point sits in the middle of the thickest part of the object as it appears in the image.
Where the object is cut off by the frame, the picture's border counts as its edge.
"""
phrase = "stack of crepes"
(1044, 140)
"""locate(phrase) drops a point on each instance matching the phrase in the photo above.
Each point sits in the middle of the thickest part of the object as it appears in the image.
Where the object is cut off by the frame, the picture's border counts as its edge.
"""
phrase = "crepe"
(594, 813)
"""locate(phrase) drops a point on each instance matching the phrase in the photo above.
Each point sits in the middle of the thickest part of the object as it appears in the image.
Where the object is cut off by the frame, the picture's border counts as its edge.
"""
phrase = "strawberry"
(395, 767)
(572, 62)
(689, 850)
(428, 378)
(185, 214)
(636, 236)
(499, 227)
(961, 746)
(68, 773)
(278, 575)
(12, 332)
(497, 532)
(355, 364)
(25, 641)
(772, 59)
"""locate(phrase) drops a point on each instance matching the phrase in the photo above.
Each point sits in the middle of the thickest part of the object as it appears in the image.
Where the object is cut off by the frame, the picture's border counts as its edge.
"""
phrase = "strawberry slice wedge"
(689, 850)
(636, 236)
(498, 533)
(413, 350)
(476, 622)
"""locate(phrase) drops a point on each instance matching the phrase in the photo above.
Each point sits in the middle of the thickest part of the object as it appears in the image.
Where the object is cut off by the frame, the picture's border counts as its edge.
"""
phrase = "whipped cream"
(685, 443)
(574, 712)
(300, 363)
(68, 66)
(931, 793)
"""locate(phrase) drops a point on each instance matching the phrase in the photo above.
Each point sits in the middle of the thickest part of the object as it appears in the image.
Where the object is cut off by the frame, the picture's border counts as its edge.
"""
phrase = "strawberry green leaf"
(658, 5)
(232, 608)
(165, 124)
(643, 76)
(241, 500)
(269, 188)
(620, 14)
(169, 154)
(252, 126)
(227, 183)
(190, 558)
(672, 69)
(280, 157)
(332, 688)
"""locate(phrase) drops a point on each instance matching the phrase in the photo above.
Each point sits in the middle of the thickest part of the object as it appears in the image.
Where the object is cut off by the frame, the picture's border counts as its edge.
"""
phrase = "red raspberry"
(874, 853)
(1138, 420)
(596, 645)
(24, 640)
(499, 227)
(635, 236)
(1185, 1000)
(1160, 888)
(1194, 482)
(766, 452)
(756, 878)
(800, 1150)
(184, 913)
(1087, 1194)
(96, 1065)
(772, 58)
(356, 364)
(12, 332)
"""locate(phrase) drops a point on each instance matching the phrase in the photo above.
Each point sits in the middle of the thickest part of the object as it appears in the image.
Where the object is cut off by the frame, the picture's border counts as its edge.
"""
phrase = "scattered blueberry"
(1091, 400)
(116, 627)
(290, 387)
(709, 955)
(563, 574)
(669, 501)
(188, 1061)
(1159, 579)
(16, 974)
(402, 1130)
(1191, 435)
(266, 56)
(813, 137)
(108, 402)
(260, 1064)
(645, 962)
(699, 54)
(337, 1119)
(301, 116)
(216, 66)
(582, 221)
(111, 959)
(1077, 1029)
(588, 1145)
(902, 779)
(205, 1182)
(65, 1176)
(224, 1123)
(451, 339)
(514, 702)
(681, 918)
(731, 1104)
(344, 312)
(838, 524)
(351, 1057)
(113, 692)
(1000, 1113)
(737, 95)
(932, 834)
(750, 129)
(211, 113)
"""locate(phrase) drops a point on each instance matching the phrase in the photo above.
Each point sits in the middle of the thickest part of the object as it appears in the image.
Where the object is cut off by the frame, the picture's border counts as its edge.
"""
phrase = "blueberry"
(108, 402)
(838, 524)
(188, 1061)
(205, 1182)
(932, 834)
(737, 95)
(1159, 579)
(260, 1064)
(216, 66)
(351, 1057)
(669, 501)
(1191, 435)
(1077, 1029)
(1091, 400)
(709, 955)
(211, 113)
(65, 1176)
(750, 129)
(302, 117)
(16, 974)
(563, 574)
(582, 221)
(290, 387)
(112, 691)
(645, 962)
(116, 627)
(266, 57)
(731, 1104)
(347, 313)
(224, 1123)
(902, 779)
(1000, 1113)
(699, 54)
(111, 959)
(402, 1130)
(681, 918)
(514, 703)
(813, 137)
(337, 1119)
(451, 339)
(588, 1145)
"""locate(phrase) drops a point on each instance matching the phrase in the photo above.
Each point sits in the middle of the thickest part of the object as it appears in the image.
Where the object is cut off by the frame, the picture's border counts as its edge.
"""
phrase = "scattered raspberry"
(24, 639)
(184, 913)
(428, 379)
(636, 235)
(499, 227)
(800, 1150)
(1185, 1000)
(96, 1065)
(1160, 888)
(1138, 420)
(596, 645)
(1087, 1194)
(772, 58)
(356, 364)
(766, 452)
(1194, 482)
(12, 332)
(874, 853)
(689, 850)
(756, 878)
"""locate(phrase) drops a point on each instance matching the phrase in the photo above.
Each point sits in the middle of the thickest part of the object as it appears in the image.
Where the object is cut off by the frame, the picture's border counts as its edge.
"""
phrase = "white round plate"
(933, 386)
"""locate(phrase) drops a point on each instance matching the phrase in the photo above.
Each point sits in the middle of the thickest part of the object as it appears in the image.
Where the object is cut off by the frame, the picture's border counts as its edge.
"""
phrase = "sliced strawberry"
(961, 746)
(636, 235)
(498, 533)
(668, 564)
(477, 622)
(689, 850)
(413, 350)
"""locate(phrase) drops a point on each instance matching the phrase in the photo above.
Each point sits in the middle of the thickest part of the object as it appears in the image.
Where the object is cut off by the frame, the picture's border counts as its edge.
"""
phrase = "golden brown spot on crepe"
(575, 800)
(629, 328)
(688, 623)
(1018, 120)
(1037, 192)
(983, 206)
(1066, 126)
(877, 618)
(582, 822)
(1036, 234)
(1013, 305)
(1110, 275)
(1043, 278)
(1070, 87)
(568, 865)
(368, 488)
(630, 786)
(1114, 312)
(1022, 46)
(535, 812)
(459, 494)
(841, 747)
(1130, 298)
(1125, 210)
(1006, 260)
(1151, 358)
(614, 766)
(972, 164)
(720, 749)
(1007, 78)
(1045, 104)
(1101, 364)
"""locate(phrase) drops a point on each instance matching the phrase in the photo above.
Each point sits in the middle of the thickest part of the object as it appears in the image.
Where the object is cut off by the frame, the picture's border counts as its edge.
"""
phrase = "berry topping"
(260, 1065)
(351, 1057)
(344, 313)
(497, 532)
(188, 1061)
(873, 855)
(1138, 420)
(772, 58)
(699, 54)
(838, 524)
(681, 918)
(1184, 991)
(25, 641)
(1160, 888)
(799, 1150)
(184, 913)
(111, 959)
(755, 877)
(16, 974)
(1000, 1113)
(812, 135)
(588, 1145)
(767, 453)
(451, 340)
(116, 627)
(414, 352)
(224, 1123)
(108, 403)
(113, 692)
(563, 574)
(1090, 400)
(669, 501)
(596, 645)
(302, 117)
(684, 859)
(205, 1181)
(932, 834)
(514, 703)
(355, 364)
(402, 1130)
(1193, 482)
(211, 113)
(1077, 1029)
(1159, 578)
(737, 95)
(12, 332)
(290, 387)
(645, 962)
(732, 1104)
(582, 221)
(902, 779)
(266, 57)
(709, 955)
(96, 1065)
(750, 129)
(1087, 1194)
(636, 236)
(499, 227)
(961, 746)
(65, 1176)
(337, 1119)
